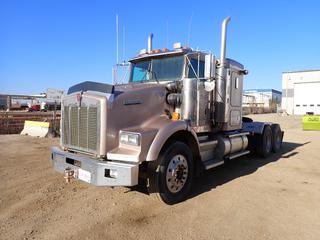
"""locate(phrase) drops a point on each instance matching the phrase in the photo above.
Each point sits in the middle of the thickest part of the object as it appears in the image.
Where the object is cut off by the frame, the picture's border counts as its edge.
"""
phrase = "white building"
(265, 98)
(301, 92)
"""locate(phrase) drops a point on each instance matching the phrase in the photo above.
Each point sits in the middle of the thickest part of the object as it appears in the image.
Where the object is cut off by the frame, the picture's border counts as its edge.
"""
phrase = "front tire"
(170, 177)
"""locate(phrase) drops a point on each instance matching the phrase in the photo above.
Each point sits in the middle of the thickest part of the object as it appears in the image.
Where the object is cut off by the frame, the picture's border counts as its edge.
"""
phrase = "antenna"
(118, 67)
(117, 33)
(189, 29)
(123, 42)
(167, 34)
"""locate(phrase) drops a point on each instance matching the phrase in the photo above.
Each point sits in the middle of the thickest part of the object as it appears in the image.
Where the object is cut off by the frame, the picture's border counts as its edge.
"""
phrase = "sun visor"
(92, 86)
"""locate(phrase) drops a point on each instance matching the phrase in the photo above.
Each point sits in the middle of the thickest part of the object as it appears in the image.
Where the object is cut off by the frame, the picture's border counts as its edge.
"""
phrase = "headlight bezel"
(130, 138)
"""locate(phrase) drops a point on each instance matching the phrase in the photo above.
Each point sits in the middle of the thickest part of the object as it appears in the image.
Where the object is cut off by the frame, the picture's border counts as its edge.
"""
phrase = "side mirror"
(244, 72)
(209, 72)
(209, 66)
(121, 73)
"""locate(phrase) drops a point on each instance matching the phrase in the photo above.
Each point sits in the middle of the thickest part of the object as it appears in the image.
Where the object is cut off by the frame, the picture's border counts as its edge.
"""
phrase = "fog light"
(110, 173)
(113, 173)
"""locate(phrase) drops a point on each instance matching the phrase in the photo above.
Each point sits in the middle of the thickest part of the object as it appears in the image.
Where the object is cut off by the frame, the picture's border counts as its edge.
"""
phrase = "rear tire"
(170, 177)
(264, 142)
(276, 137)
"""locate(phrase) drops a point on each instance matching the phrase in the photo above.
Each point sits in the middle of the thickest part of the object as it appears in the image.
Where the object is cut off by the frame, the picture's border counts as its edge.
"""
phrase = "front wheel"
(170, 177)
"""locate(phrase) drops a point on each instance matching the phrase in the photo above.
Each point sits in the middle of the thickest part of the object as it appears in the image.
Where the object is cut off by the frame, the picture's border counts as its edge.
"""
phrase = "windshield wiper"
(152, 73)
(155, 76)
(144, 76)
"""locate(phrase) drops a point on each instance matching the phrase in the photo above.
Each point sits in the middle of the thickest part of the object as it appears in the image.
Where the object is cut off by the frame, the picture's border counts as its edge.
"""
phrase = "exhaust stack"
(222, 77)
(224, 40)
(150, 42)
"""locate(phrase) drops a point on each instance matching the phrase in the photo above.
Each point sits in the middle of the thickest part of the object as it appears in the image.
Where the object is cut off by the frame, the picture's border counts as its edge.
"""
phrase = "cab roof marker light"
(177, 45)
(143, 51)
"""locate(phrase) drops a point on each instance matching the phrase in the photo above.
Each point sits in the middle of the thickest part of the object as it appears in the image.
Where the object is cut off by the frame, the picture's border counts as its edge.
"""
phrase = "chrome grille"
(65, 124)
(92, 128)
(74, 126)
(83, 127)
(80, 128)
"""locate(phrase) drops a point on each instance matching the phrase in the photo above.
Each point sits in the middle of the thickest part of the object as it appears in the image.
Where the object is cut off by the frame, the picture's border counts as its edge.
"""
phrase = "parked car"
(34, 108)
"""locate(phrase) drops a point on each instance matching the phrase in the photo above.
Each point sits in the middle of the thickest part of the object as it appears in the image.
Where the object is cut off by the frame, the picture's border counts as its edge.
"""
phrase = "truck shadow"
(239, 167)
(231, 170)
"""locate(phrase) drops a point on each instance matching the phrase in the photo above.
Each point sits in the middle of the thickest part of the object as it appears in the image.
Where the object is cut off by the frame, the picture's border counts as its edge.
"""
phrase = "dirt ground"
(248, 198)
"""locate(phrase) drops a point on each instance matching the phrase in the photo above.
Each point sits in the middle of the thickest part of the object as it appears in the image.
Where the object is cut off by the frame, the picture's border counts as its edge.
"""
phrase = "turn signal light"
(175, 116)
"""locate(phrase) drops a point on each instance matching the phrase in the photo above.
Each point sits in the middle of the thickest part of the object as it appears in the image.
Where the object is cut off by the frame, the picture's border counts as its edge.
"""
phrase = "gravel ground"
(248, 198)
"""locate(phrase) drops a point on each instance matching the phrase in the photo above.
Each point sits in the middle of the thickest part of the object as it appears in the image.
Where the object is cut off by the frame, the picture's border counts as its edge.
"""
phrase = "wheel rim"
(268, 143)
(177, 173)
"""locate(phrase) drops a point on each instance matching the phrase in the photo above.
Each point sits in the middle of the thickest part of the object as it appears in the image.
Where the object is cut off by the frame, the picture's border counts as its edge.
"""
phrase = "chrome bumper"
(93, 171)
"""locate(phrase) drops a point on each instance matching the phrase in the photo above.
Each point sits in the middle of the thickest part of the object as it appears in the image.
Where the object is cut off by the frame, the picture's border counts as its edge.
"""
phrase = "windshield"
(158, 69)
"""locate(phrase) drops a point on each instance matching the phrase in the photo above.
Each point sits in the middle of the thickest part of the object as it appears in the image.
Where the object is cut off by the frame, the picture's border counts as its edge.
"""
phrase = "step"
(212, 163)
(238, 154)
(237, 134)
(203, 138)
(208, 145)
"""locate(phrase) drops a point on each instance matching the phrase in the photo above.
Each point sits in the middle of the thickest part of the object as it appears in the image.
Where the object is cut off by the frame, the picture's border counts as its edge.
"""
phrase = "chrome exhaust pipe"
(224, 40)
(220, 104)
(150, 42)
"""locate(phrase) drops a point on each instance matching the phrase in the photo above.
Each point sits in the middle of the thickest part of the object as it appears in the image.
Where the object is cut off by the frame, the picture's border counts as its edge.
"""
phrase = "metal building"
(301, 92)
(266, 98)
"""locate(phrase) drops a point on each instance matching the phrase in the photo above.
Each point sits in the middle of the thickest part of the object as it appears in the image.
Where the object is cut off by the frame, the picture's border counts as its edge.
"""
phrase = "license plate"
(84, 175)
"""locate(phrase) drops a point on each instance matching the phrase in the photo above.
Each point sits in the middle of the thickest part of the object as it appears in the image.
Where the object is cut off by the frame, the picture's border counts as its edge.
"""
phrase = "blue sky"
(56, 43)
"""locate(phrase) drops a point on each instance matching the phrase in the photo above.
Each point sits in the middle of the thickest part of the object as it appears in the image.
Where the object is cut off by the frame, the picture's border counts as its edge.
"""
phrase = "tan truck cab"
(179, 114)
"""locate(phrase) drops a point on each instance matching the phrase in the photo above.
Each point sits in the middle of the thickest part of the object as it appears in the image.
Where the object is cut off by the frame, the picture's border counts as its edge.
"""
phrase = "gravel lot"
(248, 198)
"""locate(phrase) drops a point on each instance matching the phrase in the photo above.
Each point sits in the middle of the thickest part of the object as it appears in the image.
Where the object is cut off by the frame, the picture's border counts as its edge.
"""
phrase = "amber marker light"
(175, 116)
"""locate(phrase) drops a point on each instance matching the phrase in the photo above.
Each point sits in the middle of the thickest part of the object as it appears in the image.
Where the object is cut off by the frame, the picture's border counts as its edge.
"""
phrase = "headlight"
(130, 138)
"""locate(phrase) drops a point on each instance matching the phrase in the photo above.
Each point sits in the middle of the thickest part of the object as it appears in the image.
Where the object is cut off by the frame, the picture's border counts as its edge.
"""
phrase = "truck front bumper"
(93, 171)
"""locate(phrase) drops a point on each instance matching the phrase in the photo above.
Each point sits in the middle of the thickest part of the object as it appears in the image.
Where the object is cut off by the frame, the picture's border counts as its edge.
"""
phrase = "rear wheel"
(276, 137)
(264, 142)
(170, 177)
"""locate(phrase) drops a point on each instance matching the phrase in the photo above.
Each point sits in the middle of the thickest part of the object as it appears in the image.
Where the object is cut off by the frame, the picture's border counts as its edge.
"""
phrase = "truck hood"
(133, 107)
(93, 114)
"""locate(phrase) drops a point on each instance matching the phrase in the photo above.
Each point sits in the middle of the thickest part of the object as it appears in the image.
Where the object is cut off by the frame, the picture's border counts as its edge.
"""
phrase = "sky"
(57, 43)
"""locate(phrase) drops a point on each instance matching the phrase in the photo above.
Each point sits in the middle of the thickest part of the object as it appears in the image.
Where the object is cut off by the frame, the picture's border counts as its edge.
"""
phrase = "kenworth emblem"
(79, 97)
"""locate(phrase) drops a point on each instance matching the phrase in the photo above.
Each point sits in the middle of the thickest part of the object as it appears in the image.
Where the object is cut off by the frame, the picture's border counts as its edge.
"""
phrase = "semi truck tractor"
(179, 114)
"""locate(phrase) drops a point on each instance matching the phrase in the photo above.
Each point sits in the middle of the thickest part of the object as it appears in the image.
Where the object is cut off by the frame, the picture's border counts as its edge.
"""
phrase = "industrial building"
(267, 99)
(301, 92)
(21, 102)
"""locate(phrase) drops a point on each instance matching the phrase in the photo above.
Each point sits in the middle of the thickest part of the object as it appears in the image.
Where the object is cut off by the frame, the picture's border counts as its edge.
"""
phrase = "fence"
(13, 122)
